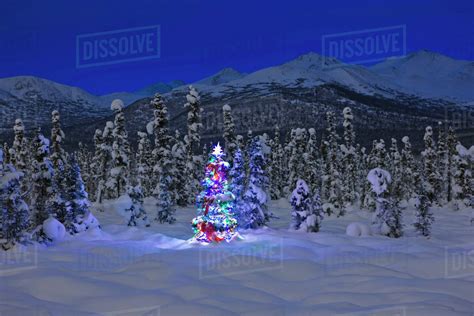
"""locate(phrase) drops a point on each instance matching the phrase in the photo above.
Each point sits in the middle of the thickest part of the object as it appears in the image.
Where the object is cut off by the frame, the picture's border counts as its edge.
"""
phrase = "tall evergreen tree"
(14, 212)
(179, 178)
(229, 133)
(276, 172)
(348, 159)
(43, 174)
(396, 171)
(451, 142)
(78, 199)
(119, 174)
(331, 174)
(311, 171)
(144, 164)
(193, 142)
(254, 212)
(431, 183)
(19, 150)
(58, 155)
(163, 191)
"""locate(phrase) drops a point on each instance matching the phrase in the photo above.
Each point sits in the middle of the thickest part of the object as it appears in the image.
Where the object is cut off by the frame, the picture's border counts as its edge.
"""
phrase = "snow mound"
(53, 229)
(357, 229)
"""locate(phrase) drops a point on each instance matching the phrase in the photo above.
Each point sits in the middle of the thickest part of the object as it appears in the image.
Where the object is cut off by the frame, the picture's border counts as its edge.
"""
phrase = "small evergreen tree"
(77, 197)
(306, 211)
(388, 216)
(137, 215)
(424, 216)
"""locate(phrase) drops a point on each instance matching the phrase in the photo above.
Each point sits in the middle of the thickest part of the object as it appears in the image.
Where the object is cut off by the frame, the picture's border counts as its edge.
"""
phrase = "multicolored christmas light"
(215, 221)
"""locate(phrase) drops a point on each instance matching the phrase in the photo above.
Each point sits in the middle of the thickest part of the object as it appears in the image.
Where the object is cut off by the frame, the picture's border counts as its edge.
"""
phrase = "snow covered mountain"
(224, 76)
(430, 75)
(399, 94)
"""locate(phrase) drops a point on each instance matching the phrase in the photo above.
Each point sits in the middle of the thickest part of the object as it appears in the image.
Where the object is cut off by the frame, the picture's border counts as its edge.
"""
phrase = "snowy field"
(272, 271)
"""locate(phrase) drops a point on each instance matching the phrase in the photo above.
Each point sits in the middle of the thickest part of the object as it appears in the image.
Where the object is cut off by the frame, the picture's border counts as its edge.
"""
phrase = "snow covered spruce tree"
(463, 186)
(215, 221)
(143, 164)
(193, 142)
(19, 150)
(431, 182)
(396, 171)
(311, 166)
(84, 159)
(348, 151)
(136, 214)
(179, 177)
(58, 155)
(102, 162)
(424, 216)
(254, 211)
(376, 159)
(276, 171)
(409, 175)
(451, 142)
(159, 127)
(306, 213)
(388, 216)
(296, 164)
(80, 218)
(119, 174)
(237, 177)
(14, 212)
(229, 133)
(42, 190)
(441, 160)
(163, 192)
(331, 180)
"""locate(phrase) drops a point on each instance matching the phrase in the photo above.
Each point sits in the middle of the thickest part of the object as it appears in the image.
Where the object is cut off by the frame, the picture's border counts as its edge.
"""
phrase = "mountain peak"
(223, 76)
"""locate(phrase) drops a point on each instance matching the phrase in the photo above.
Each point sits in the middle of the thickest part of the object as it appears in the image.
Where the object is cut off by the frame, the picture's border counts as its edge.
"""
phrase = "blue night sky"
(199, 38)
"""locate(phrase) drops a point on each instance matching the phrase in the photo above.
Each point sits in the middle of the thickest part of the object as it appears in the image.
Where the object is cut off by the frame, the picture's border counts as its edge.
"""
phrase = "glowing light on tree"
(215, 221)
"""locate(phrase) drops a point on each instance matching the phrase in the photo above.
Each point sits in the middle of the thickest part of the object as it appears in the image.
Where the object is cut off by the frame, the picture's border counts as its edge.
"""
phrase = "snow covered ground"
(272, 271)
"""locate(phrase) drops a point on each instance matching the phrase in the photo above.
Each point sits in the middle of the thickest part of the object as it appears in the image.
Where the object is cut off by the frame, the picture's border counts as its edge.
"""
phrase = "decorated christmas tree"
(215, 221)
